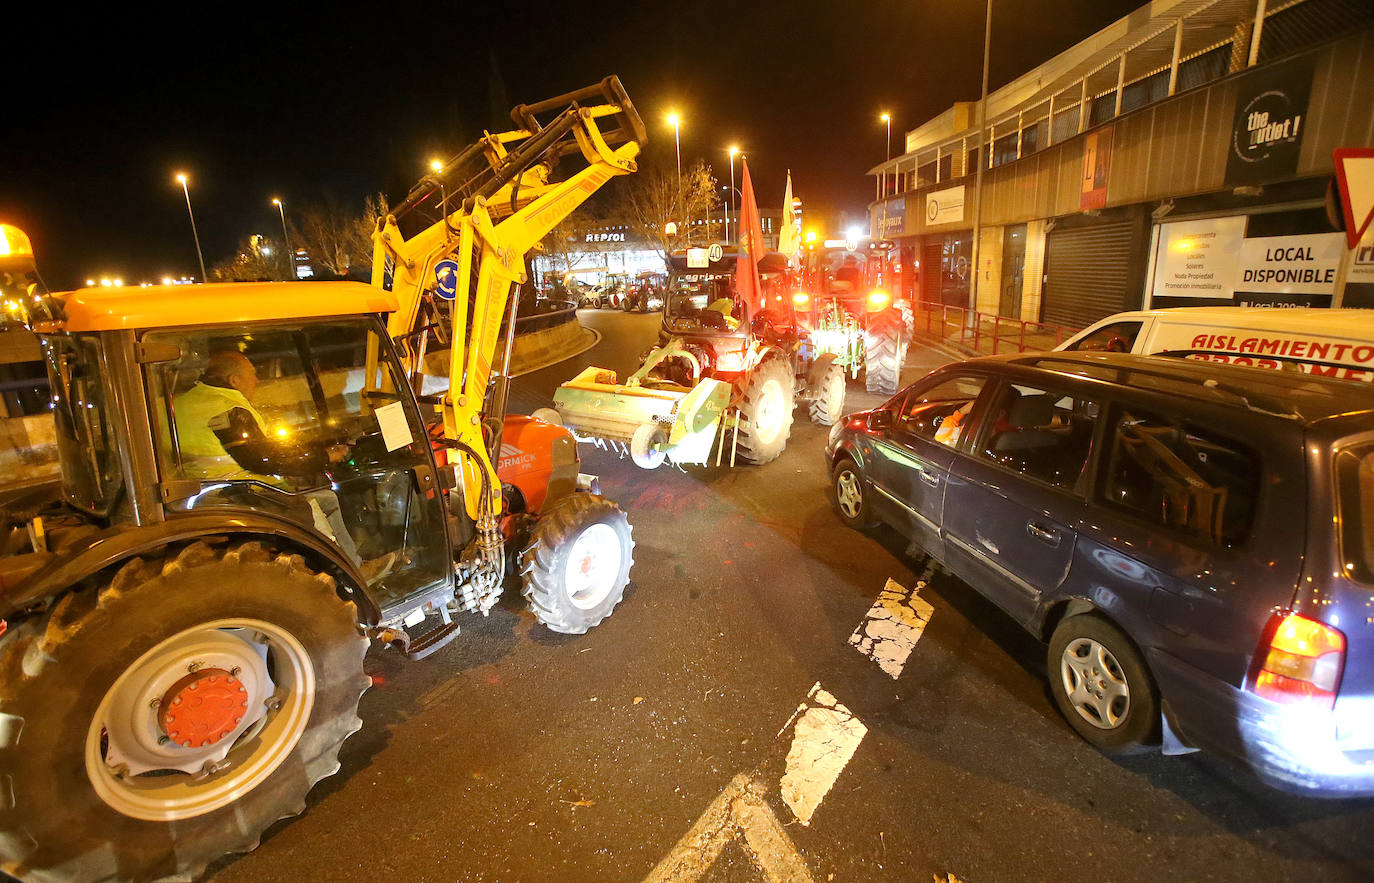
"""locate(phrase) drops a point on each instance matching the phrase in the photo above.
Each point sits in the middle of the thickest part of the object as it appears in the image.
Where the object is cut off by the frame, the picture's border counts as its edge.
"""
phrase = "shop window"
(1303, 24)
(1033, 137)
(1065, 124)
(1004, 150)
(1142, 92)
(1204, 68)
(1101, 108)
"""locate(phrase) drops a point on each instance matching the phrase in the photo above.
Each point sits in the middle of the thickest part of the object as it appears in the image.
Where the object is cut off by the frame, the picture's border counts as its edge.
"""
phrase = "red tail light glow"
(1302, 663)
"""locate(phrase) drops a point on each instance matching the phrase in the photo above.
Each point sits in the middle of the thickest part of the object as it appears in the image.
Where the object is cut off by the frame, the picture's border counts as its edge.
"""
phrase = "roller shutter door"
(1088, 272)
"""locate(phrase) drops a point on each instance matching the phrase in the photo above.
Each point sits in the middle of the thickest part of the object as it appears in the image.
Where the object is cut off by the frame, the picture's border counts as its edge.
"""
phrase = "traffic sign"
(1355, 175)
(446, 279)
(715, 252)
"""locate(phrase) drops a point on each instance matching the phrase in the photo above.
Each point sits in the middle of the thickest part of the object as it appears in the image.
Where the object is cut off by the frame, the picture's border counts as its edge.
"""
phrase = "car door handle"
(928, 477)
(1046, 535)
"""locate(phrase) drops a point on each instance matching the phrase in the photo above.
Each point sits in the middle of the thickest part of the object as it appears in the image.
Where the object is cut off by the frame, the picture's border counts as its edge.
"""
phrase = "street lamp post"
(676, 122)
(984, 152)
(734, 149)
(286, 238)
(181, 179)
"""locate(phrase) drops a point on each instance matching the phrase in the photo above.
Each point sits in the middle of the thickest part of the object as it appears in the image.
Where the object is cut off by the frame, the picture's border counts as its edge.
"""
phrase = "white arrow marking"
(739, 811)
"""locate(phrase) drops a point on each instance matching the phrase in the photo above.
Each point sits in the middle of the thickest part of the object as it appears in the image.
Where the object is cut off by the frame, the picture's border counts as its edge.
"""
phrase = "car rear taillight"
(1301, 662)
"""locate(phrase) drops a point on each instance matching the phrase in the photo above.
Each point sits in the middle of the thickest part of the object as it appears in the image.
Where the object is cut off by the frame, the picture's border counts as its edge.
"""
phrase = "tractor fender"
(115, 546)
(816, 373)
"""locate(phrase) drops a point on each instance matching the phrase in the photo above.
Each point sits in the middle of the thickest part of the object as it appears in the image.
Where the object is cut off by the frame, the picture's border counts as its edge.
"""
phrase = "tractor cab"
(172, 406)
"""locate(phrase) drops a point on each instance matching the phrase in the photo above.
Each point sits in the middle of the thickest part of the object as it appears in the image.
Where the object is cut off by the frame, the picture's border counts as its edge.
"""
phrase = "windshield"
(1355, 499)
(86, 446)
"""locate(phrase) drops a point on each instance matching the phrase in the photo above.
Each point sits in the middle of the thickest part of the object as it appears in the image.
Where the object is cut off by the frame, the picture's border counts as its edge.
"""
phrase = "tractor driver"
(222, 436)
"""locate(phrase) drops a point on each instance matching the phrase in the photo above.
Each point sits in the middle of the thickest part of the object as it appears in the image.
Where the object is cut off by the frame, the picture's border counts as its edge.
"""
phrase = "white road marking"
(825, 737)
(893, 625)
(739, 811)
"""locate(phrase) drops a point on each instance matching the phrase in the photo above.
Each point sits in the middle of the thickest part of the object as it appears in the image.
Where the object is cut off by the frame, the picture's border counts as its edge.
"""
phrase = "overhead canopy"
(155, 306)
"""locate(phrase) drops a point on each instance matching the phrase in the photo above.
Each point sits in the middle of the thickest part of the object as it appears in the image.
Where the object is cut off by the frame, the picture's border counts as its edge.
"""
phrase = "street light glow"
(674, 120)
(734, 150)
(276, 201)
(436, 165)
(181, 178)
(886, 117)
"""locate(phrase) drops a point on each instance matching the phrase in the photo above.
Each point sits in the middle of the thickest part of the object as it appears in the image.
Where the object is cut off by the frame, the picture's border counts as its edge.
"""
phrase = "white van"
(1330, 342)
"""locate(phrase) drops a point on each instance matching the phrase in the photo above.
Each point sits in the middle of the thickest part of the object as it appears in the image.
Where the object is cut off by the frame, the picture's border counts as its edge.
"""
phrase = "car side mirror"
(880, 420)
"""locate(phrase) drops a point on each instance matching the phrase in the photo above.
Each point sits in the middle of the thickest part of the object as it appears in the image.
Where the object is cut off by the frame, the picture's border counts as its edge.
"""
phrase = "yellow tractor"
(257, 483)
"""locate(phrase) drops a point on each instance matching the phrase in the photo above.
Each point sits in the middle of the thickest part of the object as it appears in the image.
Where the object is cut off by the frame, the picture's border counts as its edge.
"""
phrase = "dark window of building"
(1065, 124)
(1033, 137)
(925, 174)
(1004, 149)
(1204, 68)
(1304, 24)
(1142, 92)
(1101, 108)
(971, 163)
(1181, 477)
(946, 167)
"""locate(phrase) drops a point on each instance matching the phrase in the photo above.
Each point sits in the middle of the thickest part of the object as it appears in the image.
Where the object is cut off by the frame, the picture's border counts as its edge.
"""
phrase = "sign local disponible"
(1290, 264)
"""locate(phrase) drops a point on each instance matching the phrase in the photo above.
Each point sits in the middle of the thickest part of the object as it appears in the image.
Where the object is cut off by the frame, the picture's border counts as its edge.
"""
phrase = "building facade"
(1181, 156)
(596, 249)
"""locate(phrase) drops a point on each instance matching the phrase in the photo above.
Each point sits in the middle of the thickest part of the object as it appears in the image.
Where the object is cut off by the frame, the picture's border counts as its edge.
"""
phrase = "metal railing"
(987, 334)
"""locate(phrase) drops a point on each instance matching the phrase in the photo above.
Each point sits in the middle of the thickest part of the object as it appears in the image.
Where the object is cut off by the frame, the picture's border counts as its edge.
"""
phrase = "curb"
(529, 363)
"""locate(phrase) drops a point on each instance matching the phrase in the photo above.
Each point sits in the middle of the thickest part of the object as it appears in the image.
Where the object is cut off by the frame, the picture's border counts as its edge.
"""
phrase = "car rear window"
(1187, 478)
(1355, 492)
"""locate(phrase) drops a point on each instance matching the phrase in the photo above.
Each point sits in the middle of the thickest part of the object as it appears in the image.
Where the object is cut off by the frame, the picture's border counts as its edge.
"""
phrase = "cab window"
(1118, 337)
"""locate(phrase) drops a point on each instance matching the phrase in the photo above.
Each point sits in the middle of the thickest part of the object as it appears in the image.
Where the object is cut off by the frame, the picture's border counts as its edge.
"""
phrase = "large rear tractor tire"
(578, 562)
(766, 412)
(828, 404)
(167, 718)
(884, 353)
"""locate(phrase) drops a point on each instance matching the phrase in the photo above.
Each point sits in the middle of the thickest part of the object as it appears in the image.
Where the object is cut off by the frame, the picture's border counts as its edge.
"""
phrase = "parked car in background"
(1194, 541)
(1332, 343)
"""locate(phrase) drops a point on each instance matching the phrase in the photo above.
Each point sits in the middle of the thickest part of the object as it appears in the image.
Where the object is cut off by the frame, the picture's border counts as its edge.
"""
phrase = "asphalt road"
(517, 754)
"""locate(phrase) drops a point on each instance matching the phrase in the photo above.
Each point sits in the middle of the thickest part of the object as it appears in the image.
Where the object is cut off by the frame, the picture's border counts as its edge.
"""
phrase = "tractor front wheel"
(577, 563)
(170, 716)
(828, 404)
(766, 412)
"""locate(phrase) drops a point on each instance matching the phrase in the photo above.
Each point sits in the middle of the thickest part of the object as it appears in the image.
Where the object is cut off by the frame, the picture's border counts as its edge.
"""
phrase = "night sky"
(333, 102)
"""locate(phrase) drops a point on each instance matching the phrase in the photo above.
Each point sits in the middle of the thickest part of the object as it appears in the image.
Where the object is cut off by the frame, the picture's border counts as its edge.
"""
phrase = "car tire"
(1102, 687)
(75, 681)
(849, 495)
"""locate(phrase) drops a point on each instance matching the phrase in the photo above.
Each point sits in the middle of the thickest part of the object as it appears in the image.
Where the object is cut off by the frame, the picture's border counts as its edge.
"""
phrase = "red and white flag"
(747, 282)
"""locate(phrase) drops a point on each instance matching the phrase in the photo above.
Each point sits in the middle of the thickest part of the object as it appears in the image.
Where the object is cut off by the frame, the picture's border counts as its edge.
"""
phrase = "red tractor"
(847, 302)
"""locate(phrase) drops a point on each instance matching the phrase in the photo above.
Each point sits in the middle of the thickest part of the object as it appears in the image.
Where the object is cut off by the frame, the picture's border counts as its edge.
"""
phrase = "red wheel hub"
(203, 707)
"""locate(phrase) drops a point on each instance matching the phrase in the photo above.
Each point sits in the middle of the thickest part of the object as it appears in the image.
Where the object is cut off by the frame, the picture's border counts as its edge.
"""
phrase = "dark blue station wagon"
(1189, 539)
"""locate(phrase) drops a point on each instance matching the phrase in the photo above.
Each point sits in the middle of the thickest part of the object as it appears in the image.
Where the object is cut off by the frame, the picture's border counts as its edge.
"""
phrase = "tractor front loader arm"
(484, 210)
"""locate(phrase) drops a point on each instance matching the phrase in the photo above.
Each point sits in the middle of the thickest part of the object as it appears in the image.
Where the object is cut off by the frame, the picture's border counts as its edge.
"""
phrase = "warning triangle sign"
(1355, 175)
